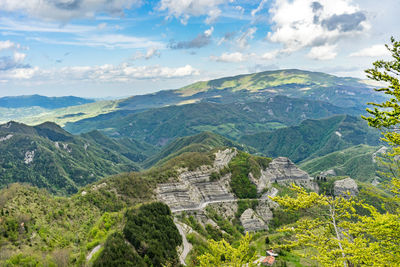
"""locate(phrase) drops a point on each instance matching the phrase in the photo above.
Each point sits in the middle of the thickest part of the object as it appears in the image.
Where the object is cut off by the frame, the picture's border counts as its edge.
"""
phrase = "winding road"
(186, 245)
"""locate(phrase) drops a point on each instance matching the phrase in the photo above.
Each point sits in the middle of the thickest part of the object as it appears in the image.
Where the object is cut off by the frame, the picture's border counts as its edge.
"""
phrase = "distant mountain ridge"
(344, 92)
(42, 101)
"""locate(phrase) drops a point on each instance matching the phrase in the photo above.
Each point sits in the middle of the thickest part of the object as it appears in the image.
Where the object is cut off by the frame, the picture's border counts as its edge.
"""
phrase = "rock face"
(264, 209)
(194, 190)
(252, 222)
(282, 170)
(344, 187)
(330, 172)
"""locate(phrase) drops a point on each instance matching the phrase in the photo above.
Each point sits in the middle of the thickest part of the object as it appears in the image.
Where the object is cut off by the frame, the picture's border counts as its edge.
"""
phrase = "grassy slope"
(355, 162)
(71, 114)
(341, 91)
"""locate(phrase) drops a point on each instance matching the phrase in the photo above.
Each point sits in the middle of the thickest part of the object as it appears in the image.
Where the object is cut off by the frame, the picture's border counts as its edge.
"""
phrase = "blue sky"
(100, 48)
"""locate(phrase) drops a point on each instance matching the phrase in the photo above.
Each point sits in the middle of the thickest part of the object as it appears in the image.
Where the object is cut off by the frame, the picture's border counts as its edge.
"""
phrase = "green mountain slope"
(159, 126)
(63, 115)
(49, 157)
(202, 142)
(340, 91)
(313, 138)
(359, 162)
(128, 147)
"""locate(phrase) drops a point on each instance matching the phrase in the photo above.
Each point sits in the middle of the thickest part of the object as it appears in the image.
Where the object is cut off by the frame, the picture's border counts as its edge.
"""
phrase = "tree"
(323, 228)
(341, 235)
(221, 253)
(386, 115)
(334, 228)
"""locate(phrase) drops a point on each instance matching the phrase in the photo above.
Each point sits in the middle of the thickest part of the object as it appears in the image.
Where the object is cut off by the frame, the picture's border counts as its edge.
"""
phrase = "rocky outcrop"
(282, 170)
(29, 155)
(330, 172)
(5, 138)
(252, 222)
(194, 190)
(264, 209)
(380, 151)
(345, 187)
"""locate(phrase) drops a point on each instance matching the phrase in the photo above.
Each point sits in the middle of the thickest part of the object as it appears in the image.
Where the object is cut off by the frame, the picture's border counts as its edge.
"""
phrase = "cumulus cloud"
(184, 9)
(104, 73)
(4, 45)
(64, 10)
(199, 41)
(270, 55)
(373, 51)
(16, 61)
(309, 23)
(230, 57)
(325, 52)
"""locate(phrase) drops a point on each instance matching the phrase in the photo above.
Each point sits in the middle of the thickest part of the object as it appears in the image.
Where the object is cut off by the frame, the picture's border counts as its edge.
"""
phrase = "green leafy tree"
(334, 229)
(386, 115)
(337, 231)
(221, 253)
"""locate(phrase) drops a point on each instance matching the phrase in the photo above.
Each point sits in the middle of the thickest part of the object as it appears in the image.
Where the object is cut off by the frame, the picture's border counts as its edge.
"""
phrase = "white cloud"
(325, 52)
(373, 51)
(19, 57)
(270, 55)
(30, 25)
(184, 9)
(104, 73)
(4, 45)
(243, 39)
(307, 23)
(151, 52)
(213, 15)
(65, 10)
(209, 32)
(259, 8)
(102, 26)
(110, 41)
(230, 57)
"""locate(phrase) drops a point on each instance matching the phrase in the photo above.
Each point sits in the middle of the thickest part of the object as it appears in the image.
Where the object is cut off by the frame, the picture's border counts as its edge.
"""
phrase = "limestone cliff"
(194, 190)
(346, 187)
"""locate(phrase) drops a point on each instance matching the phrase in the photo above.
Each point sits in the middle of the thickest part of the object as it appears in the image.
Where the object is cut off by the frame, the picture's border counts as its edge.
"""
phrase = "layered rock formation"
(194, 190)
(283, 171)
(345, 187)
(251, 221)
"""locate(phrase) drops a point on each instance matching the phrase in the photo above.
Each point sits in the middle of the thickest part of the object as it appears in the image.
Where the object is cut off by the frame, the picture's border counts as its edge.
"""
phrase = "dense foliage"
(117, 252)
(241, 166)
(152, 232)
